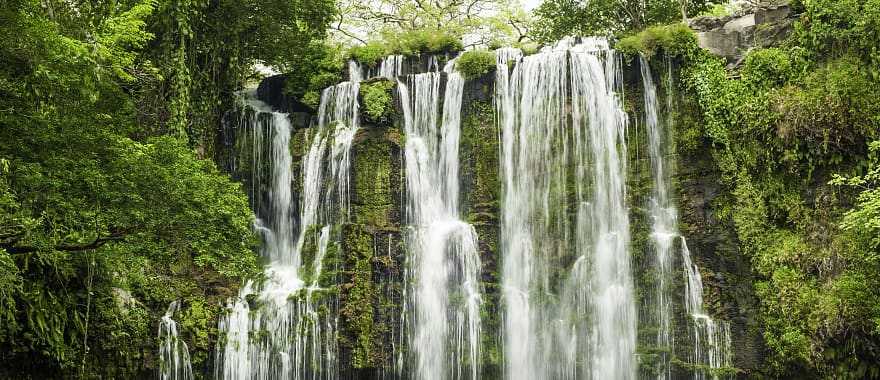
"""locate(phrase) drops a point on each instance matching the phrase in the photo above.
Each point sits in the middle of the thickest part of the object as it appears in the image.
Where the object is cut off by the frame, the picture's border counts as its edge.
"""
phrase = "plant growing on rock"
(377, 101)
(475, 63)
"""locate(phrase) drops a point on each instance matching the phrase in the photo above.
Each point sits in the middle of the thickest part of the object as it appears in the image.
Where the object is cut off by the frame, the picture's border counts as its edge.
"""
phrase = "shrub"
(377, 101)
(770, 67)
(369, 54)
(674, 39)
(431, 41)
(475, 63)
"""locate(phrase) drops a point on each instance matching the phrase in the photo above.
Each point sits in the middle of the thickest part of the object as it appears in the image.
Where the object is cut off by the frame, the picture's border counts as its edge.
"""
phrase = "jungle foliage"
(110, 204)
(558, 18)
(794, 132)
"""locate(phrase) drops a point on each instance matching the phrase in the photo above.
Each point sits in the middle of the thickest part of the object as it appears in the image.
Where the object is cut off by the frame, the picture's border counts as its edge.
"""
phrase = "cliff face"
(370, 262)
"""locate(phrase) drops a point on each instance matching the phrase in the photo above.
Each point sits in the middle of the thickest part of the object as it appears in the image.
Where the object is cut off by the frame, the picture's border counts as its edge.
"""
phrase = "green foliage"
(795, 115)
(369, 54)
(207, 50)
(409, 43)
(717, 10)
(377, 101)
(673, 39)
(863, 221)
(833, 28)
(559, 18)
(475, 63)
(318, 68)
(429, 40)
(101, 225)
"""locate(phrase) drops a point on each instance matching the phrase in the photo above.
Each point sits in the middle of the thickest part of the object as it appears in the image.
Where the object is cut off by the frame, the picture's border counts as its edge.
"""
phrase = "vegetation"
(559, 18)
(789, 134)
(482, 21)
(408, 43)
(475, 63)
(376, 97)
(674, 39)
(111, 206)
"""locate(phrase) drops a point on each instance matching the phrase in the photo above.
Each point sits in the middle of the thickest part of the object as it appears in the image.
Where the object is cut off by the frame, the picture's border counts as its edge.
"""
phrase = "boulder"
(750, 27)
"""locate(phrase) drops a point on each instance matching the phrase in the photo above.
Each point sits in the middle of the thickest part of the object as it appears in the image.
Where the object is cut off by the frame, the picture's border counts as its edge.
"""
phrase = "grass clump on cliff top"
(409, 43)
(475, 63)
(674, 39)
(369, 54)
(431, 41)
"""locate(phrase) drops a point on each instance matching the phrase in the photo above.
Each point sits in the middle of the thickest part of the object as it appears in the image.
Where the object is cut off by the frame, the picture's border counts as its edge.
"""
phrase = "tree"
(559, 18)
(478, 22)
(103, 219)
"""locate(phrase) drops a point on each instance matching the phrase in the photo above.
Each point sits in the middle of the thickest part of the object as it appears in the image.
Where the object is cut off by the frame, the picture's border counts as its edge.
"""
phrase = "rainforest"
(439, 190)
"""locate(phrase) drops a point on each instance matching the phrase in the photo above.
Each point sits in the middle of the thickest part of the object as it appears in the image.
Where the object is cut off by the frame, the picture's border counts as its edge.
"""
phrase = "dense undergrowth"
(110, 204)
(790, 131)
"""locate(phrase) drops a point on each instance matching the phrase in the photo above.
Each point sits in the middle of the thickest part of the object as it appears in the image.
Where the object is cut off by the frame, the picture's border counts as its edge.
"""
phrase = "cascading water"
(711, 340)
(443, 263)
(391, 66)
(285, 336)
(664, 216)
(563, 169)
(174, 361)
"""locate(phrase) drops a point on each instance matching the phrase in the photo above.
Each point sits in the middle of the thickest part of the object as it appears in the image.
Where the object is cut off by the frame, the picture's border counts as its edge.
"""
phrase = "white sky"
(531, 4)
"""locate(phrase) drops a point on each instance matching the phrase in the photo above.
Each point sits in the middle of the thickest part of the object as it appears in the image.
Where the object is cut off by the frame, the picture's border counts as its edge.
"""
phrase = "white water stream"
(569, 311)
(443, 264)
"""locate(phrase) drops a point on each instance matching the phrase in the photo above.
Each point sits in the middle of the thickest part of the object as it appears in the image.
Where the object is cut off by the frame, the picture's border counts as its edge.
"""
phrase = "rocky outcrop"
(271, 91)
(751, 27)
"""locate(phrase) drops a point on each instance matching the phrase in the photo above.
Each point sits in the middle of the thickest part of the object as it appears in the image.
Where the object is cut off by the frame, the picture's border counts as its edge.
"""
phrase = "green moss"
(377, 100)
(475, 63)
(479, 147)
(673, 39)
(372, 202)
(358, 331)
(311, 98)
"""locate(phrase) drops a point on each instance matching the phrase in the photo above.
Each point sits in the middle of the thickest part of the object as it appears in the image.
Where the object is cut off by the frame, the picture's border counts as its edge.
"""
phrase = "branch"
(97, 243)
(339, 29)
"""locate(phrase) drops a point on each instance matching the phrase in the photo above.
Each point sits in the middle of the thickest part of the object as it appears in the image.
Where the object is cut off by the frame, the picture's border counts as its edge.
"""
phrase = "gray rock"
(731, 37)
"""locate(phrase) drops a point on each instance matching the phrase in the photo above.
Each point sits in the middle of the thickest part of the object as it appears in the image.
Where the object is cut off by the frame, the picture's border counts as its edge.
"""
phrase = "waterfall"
(711, 340)
(563, 169)
(664, 216)
(174, 361)
(277, 329)
(391, 67)
(443, 263)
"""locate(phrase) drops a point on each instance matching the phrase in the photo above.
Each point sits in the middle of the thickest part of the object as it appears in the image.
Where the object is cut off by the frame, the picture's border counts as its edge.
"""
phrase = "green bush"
(431, 41)
(305, 82)
(475, 63)
(377, 100)
(770, 67)
(369, 54)
(673, 39)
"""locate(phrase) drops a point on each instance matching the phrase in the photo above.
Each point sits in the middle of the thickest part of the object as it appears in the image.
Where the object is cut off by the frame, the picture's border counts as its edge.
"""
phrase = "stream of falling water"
(563, 165)
(174, 363)
(274, 329)
(664, 216)
(711, 339)
(442, 311)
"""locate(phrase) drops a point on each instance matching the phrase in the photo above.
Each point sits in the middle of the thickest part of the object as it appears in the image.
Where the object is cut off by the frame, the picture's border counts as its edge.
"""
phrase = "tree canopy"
(108, 112)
